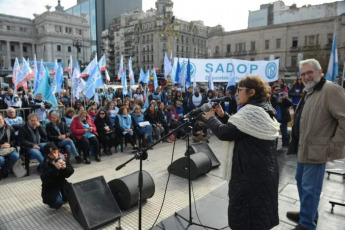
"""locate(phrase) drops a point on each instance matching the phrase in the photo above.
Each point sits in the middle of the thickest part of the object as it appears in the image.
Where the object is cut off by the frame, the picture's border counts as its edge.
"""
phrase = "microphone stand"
(190, 220)
(141, 155)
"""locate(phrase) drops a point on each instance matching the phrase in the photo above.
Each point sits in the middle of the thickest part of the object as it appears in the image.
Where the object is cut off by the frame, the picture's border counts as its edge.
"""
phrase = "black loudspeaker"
(205, 148)
(200, 164)
(126, 191)
(92, 203)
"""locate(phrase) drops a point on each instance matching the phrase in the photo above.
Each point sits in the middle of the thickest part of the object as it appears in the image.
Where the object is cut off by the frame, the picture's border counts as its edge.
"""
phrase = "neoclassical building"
(50, 35)
(137, 35)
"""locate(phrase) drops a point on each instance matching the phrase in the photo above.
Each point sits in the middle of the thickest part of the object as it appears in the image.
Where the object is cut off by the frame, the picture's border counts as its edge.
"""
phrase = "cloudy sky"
(233, 15)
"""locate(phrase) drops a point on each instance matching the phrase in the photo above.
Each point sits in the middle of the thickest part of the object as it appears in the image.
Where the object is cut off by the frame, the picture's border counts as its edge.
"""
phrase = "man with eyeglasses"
(317, 136)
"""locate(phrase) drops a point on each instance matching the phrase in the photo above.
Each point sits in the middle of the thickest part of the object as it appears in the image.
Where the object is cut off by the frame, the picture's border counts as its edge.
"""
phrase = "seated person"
(124, 126)
(84, 129)
(55, 170)
(40, 107)
(57, 131)
(174, 122)
(31, 136)
(200, 131)
(146, 131)
(69, 115)
(12, 119)
(157, 121)
(106, 132)
(7, 140)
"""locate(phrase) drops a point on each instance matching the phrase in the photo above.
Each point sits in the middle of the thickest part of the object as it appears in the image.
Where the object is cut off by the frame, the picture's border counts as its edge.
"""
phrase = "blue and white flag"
(44, 88)
(130, 72)
(36, 72)
(155, 80)
(141, 75)
(146, 104)
(70, 66)
(59, 78)
(102, 64)
(332, 70)
(93, 82)
(124, 81)
(16, 69)
(167, 66)
(120, 71)
(173, 75)
(89, 68)
(78, 83)
(107, 77)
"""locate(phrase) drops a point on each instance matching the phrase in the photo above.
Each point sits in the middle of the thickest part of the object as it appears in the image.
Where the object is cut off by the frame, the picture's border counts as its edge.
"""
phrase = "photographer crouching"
(54, 173)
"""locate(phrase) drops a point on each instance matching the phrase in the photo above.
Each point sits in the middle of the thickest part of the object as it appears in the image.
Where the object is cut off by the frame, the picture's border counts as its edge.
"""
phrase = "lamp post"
(77, 42)
(167, 27)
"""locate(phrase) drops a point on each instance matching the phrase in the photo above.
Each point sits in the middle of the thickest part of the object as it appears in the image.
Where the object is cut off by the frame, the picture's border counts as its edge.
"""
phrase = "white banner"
(223, 69)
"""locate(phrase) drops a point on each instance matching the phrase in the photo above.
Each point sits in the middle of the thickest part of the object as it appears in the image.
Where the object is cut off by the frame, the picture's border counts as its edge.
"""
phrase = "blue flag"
(44, 88)
(155, 80)
(95, 80)
(332, 71)
(188, 79)
(232, 79)
(124, 81)
(141, 75)
(59, 78)
(177, 73)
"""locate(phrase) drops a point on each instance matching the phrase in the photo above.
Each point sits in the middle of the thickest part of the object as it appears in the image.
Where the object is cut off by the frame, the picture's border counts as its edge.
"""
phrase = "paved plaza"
(21, 205)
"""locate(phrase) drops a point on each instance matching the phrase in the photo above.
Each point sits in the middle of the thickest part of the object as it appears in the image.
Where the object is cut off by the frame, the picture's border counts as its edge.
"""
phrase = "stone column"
(20, 50)
(33, 50)
(8, 55)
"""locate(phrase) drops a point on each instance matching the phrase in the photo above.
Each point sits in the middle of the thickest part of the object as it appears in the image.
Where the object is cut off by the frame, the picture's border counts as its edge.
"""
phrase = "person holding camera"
(40, 107)
(55, 170)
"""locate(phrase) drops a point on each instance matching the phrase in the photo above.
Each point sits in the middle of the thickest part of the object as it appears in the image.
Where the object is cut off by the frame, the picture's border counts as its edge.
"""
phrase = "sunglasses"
(101, 113)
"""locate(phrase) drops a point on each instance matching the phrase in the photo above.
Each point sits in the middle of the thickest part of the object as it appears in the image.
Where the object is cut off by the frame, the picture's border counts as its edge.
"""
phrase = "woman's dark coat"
(253, 187)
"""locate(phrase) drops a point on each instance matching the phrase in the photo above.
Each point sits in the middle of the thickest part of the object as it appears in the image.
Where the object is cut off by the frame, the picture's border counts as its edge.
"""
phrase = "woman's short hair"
(69, 110)
(82, 112)
(122, 108)
(31, 115)
(255, 82)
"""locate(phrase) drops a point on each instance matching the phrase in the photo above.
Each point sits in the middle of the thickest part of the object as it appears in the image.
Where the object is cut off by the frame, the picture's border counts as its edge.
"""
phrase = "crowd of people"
(249, 119)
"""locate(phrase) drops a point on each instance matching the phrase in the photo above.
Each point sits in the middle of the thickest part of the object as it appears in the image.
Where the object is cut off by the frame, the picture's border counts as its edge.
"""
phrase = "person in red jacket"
(84, 129)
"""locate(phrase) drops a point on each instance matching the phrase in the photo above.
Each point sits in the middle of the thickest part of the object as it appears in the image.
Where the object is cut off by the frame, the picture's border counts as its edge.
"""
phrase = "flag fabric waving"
(101, 64)
(167, 66)
(16, 69)
(124, 81)
(210, 82)
(70, 66)
(178, 73)
(141, 75)
(93, 82)
(27, 71)
(59, 78)
(130, 72)
(120, 72)
(107, 77)
(232, 79)
(332, 70)
(155, 79)
(35, 70)
(44, 88)
(56, 65)
(89, 68)
(188, 79)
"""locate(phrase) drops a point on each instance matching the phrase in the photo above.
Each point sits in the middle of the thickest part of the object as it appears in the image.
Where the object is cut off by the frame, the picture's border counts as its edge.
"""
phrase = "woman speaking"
(250, 162)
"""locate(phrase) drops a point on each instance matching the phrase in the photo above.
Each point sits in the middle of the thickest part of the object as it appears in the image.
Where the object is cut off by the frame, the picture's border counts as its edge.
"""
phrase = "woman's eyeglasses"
(239, 89)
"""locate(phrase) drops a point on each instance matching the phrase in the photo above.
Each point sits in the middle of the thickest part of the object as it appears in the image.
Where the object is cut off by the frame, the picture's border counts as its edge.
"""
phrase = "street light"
(167, 27)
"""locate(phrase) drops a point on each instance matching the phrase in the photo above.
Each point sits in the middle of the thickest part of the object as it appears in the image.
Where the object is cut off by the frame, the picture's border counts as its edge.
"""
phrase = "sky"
(231, 14)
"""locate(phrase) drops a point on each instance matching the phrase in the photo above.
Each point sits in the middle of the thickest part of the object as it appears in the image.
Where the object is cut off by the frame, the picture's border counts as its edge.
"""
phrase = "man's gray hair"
(10, 109)
(312, 61)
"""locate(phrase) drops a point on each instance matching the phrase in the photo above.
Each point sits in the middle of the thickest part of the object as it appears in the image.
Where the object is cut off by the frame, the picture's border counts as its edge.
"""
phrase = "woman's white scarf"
(254, 121)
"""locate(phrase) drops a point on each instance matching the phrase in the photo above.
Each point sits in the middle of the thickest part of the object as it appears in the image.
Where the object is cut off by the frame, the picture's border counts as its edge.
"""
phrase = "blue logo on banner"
(271, 70)
(192, 67)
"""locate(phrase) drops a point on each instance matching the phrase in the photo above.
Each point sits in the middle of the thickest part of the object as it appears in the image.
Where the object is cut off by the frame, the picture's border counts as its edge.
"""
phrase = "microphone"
(204, 108)
(227, 98)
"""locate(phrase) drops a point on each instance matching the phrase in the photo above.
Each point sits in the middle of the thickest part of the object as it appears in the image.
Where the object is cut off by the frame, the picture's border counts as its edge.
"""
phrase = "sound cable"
(165, 190)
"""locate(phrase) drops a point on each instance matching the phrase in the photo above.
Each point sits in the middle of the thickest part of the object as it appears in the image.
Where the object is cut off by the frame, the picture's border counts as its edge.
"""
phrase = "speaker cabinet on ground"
(92, 203)
(200, 164)
(126, 191)
(205, 148)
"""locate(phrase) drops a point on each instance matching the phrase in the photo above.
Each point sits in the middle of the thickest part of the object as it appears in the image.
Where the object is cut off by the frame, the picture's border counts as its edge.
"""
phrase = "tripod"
(190, 219)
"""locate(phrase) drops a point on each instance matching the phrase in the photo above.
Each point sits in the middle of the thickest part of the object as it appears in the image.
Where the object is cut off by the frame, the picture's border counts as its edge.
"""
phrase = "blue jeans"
(7, 162)
(37, 154)
(58, 202)
(69, 146)
(147, 130)
(309, 179)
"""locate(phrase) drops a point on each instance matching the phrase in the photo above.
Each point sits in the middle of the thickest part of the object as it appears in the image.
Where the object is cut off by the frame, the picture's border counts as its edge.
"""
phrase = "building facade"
(51, 35)
(99, 14)
(290, 42)
(137, 35)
